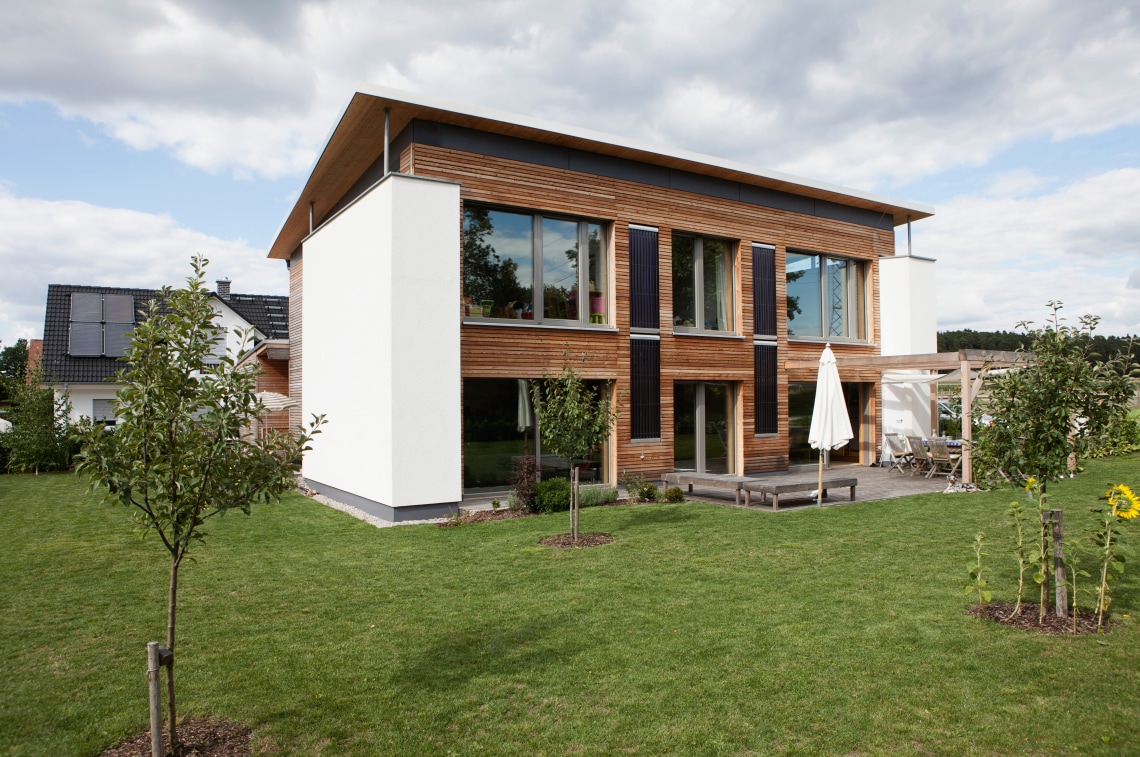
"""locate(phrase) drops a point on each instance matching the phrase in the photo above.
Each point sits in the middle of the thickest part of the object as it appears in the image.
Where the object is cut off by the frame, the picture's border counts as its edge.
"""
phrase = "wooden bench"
(709, 481)
(775, 487)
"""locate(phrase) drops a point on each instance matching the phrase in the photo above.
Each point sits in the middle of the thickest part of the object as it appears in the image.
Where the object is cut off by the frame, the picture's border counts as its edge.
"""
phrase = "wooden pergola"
(971, 363)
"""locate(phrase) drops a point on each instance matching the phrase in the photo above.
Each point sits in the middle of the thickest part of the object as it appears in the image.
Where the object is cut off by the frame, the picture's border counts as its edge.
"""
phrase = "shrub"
(674, 494)
(552, 495)
(592, 496)
(524, 478)
(638, 488)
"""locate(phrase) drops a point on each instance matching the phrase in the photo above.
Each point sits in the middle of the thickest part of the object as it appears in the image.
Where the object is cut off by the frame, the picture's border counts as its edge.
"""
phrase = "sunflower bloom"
(1125, 504)
(1030, 483)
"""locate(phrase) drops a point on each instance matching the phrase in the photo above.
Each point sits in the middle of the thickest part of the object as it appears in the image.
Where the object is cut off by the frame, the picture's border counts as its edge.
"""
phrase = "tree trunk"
(171, 607)
(574, 501)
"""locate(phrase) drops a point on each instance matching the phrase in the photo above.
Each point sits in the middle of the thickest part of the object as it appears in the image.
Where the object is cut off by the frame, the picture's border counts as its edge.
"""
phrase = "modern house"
(442, 256)
(87, 329)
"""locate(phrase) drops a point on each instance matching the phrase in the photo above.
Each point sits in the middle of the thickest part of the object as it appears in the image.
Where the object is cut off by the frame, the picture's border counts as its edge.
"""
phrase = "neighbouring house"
(443, 256)
(87, 329)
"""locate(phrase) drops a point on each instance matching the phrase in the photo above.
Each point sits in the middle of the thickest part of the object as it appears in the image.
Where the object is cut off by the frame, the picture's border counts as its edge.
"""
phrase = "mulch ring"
(483, 516)
(1026, 619)
(566, 541)
(200, 738)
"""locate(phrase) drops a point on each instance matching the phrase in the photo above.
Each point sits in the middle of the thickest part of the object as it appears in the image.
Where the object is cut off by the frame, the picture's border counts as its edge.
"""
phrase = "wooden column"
(967, 424)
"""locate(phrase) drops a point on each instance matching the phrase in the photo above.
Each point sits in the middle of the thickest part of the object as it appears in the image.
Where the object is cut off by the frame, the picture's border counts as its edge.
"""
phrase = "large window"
(702, 283)
(529, 267)
(825, 296)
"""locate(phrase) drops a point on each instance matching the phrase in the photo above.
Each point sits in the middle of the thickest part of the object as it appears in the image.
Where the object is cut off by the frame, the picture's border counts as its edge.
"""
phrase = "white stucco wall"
(232, 323)
(83, 396)
(381, 345)
(909, 326)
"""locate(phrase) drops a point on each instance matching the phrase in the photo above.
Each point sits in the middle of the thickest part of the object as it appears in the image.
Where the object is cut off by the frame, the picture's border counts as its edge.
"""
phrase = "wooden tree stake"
(152, 666)
(1060, 578)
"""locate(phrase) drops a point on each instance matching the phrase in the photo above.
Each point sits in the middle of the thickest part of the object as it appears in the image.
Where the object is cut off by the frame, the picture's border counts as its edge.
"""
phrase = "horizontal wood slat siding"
(526, 352)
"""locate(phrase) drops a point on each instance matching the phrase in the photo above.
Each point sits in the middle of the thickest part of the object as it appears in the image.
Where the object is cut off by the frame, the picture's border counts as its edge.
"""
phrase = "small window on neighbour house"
(702, 283)
(101, 324)
(531, 267)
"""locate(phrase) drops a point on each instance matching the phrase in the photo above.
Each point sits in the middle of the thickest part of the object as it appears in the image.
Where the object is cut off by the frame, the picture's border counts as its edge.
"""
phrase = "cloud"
(1000, 259)
(856, 92)
(78, 243)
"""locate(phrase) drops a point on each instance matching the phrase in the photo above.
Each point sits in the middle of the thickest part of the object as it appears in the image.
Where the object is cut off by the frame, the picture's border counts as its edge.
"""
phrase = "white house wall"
(909, 326)
(381, 359)
(83, 397)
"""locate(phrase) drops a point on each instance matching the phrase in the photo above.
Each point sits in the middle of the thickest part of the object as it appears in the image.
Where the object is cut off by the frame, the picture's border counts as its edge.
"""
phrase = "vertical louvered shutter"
(767, 419)
(764, 289)
(645, 388)
(643, 291)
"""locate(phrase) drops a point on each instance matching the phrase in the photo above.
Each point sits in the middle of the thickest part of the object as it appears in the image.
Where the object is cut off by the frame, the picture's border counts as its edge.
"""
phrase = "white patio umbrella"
(830, 426)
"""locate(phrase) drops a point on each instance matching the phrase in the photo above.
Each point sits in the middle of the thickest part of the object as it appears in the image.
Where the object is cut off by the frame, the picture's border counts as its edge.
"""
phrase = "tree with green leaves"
(1050, 413)
(39, 437)
(574, 420)
(177, 455)
(13, 368)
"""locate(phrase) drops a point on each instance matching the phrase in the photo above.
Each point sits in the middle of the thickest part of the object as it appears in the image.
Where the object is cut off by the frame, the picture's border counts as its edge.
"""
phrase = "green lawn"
(701, 630)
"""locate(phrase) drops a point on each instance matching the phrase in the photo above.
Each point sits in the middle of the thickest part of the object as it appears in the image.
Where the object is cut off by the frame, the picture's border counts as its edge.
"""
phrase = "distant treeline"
(1103, 347)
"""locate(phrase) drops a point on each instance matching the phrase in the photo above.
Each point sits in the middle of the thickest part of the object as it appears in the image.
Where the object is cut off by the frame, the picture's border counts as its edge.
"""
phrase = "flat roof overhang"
(934, 361)
(357, 141)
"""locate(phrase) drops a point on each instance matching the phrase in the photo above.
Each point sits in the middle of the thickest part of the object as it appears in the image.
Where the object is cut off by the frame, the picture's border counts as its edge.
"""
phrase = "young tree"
(574, 420)
(176, 456)
(1049, 413)
(41, 428)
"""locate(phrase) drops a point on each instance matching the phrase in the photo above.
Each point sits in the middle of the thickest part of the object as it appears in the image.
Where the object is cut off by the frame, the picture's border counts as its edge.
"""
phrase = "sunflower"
(1124, 503)
(1030, 483)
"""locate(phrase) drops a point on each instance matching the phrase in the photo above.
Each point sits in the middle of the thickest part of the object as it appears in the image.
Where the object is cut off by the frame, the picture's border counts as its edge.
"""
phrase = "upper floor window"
(100, 324)
(702, 283)
(825, 296)
(527, 266)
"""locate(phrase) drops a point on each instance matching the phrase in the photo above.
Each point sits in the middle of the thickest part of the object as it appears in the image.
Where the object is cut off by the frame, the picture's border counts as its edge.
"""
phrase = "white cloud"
(855, 92)
(1000, 259)
(79, 243)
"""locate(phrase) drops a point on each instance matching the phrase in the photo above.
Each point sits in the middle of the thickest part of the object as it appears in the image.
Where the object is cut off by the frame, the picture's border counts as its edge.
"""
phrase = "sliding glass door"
(703, 427)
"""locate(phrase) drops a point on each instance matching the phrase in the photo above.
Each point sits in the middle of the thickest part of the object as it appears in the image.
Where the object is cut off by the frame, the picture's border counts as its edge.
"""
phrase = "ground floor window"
(801, 401)
(500, 430)
(703, 427)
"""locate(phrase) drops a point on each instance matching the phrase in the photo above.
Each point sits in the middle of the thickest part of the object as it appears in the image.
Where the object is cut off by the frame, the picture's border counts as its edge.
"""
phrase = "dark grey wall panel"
(619, 168)
(774, 198)
(767, 389)
(764, 290)
(710, 186)
(645, 388)
(644, 297)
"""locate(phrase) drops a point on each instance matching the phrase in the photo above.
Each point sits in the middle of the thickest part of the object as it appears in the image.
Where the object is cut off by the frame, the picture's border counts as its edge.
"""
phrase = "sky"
(135, 133)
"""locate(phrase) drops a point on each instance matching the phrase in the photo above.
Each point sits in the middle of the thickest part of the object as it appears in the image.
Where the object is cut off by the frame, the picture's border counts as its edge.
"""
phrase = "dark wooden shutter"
(764, 289)
(643, 291)
(645, 388)
(767, 418)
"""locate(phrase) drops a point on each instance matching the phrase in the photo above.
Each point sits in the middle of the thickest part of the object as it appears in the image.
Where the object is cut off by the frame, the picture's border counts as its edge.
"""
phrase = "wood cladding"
(519, 351)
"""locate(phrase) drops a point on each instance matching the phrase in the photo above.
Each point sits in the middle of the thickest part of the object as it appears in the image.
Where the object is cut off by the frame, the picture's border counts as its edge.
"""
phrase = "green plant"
(41, 427)
(638, 488)
(495, 504)
(13, 367)
(674, 494)
(1121, 505)
(1051, 412)
(575, 420)
(552, 495)
(524, 478)
(1073, 560)
(178, 456)
(977, 582)
(1040, 552)
(1018, 520)
(592, 496)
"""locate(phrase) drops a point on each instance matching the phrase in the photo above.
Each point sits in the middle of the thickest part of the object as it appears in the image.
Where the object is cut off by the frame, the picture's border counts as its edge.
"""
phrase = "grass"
(701, 630)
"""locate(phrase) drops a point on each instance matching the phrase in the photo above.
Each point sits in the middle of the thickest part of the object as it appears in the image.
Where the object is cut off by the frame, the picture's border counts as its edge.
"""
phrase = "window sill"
(523, 324)
(831, 339)
(685, 331)
(656, 440)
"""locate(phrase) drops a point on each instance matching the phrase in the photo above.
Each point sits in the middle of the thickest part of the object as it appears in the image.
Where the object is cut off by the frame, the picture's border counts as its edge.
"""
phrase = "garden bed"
(1026, 619)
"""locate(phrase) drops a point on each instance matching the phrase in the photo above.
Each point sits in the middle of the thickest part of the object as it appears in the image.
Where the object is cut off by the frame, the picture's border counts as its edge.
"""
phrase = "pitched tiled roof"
(269, 314)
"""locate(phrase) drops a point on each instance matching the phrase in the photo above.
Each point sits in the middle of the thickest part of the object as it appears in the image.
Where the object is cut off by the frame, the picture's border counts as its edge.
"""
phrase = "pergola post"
(967, 424)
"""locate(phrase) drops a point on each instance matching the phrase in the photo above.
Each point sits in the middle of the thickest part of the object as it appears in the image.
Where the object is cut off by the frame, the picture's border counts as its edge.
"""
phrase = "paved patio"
(874, 484)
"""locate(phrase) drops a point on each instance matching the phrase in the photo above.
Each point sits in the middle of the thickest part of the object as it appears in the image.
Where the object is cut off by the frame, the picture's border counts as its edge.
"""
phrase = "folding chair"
(922, 460)
(900, 454)
(941, 462)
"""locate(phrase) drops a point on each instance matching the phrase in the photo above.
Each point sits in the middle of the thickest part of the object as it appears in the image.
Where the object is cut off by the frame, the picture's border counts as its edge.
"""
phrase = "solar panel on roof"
(119, 308)
(118, 339)
(86, 307)
(86, 339)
